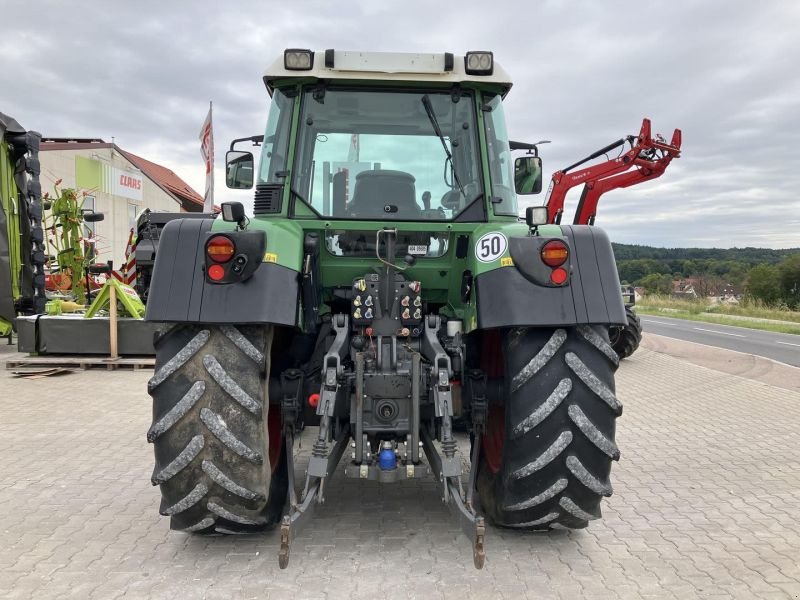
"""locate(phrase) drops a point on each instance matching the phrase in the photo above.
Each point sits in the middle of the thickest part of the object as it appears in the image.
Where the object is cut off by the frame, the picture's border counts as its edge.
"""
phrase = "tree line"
(769, 275)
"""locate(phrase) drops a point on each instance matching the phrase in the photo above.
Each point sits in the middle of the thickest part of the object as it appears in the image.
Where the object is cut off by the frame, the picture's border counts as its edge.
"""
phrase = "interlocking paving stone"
(706, 505)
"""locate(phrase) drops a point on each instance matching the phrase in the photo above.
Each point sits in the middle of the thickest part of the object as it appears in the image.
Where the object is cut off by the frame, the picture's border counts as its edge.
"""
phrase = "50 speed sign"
(491, 246)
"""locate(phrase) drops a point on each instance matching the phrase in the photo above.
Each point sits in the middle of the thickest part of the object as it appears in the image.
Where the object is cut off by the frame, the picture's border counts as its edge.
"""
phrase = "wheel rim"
(493, 438)
(275, 437)
(492, 365)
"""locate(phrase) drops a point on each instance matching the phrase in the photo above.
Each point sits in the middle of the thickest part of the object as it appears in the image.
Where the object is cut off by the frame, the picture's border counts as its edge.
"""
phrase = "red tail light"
(216, 272)
(220, 249)
(559, 275)
(554, 253)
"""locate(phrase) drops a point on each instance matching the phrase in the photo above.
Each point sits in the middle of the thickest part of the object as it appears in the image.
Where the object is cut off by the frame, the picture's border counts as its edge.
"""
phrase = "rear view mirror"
(528, 175)
(239, 170)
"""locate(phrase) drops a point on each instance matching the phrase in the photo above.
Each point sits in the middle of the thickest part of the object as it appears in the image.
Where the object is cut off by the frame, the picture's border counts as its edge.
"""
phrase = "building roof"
(166, 179)
(163, 177)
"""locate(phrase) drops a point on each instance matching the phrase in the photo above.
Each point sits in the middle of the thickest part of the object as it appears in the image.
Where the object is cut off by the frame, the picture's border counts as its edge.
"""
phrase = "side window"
(276, 139)
(501, 163)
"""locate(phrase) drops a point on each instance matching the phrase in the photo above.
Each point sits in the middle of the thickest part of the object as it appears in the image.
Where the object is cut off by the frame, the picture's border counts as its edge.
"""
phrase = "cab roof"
(440, 67)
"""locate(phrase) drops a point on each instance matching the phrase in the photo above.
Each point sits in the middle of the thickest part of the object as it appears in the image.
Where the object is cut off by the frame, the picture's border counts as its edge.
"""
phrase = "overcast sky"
(586, 72)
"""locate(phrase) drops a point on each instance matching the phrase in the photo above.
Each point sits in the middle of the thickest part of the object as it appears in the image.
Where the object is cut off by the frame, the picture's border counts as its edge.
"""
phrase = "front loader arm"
(649, 157)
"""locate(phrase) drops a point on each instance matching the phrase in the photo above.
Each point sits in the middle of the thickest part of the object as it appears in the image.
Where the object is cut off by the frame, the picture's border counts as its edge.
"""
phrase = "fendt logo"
(130, 182)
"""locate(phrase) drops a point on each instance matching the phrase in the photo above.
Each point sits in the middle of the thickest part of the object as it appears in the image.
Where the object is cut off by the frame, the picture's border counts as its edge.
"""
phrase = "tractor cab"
(384, 136)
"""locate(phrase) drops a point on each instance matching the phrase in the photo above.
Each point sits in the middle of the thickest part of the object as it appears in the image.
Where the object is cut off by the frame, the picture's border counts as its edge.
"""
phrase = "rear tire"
(626, 339)
(210, 430)
(546, 455)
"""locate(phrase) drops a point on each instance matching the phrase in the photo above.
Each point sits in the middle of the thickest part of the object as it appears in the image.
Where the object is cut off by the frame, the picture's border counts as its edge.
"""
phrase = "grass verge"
(746, 308)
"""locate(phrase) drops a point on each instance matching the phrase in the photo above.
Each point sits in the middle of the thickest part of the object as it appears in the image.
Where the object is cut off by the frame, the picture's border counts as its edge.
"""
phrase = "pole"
(112, 321)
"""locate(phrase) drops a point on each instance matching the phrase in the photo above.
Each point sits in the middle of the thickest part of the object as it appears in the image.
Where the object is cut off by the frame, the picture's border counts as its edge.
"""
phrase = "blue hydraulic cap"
(386, 457)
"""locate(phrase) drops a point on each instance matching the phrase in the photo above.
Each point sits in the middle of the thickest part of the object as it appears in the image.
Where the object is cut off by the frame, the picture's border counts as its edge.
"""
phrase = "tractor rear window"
(379, 155)
(361, 244)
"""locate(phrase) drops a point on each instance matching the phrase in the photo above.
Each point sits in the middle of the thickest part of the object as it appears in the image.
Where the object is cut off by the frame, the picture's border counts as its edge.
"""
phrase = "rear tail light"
(554, 253)
(216, 272)
(559, 275)
(220, 249)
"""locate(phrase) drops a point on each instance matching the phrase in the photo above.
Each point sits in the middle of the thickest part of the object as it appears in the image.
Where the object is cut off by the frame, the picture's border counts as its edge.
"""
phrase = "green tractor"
(384, 285)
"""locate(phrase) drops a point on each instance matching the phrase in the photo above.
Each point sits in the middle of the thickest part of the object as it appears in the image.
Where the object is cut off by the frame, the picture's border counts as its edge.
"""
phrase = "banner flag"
(207, 152)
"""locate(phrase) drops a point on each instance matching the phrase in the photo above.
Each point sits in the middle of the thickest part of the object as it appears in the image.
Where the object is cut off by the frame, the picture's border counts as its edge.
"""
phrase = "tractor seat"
(384, 194)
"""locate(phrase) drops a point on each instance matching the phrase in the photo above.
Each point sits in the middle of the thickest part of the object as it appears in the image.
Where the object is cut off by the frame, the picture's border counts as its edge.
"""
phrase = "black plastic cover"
(179, 291)
(505, 298)
(73, 334)
(526, 252)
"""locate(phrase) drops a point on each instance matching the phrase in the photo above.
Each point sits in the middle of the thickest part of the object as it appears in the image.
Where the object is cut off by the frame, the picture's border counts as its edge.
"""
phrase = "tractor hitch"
(300, 513)
(472, 524)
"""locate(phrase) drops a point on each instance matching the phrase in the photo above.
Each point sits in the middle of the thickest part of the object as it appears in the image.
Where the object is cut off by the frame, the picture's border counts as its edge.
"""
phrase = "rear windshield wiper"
(426, 102)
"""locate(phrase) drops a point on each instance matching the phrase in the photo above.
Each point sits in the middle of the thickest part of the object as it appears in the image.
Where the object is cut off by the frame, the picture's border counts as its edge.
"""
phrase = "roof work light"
(479, 63)
(297, 59)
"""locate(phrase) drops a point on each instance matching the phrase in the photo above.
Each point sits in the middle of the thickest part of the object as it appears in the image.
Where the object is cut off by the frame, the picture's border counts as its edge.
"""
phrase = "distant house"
(713, 288)
(639, 293)
(684, 288)
(117, 183)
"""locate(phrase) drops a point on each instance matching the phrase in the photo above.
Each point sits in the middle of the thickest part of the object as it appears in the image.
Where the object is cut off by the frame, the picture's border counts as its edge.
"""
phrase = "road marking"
(788, 344)
(719, 332)
(659, 322)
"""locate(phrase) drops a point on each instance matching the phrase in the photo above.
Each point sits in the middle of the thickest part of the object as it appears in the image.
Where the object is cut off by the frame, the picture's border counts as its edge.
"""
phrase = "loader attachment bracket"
(647, 158)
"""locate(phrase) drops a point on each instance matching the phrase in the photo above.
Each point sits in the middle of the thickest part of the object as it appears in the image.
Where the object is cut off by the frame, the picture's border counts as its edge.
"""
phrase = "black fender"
(510, 297)
(180, 292)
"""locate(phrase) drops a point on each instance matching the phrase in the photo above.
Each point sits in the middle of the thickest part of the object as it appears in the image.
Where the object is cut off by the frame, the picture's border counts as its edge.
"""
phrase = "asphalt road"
(783, 347)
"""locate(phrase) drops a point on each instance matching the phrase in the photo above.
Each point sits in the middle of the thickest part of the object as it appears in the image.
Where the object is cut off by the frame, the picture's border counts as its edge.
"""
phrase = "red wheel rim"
(275, 437)
(493, 438)
(492, 365)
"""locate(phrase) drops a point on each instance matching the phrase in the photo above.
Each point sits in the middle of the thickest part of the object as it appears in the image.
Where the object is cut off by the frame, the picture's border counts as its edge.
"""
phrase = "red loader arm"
(647, 156)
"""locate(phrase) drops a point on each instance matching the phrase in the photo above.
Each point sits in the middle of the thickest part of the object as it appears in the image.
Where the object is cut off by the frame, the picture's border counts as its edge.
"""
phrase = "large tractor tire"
(547, 452)
(217, 467)
(625, 340)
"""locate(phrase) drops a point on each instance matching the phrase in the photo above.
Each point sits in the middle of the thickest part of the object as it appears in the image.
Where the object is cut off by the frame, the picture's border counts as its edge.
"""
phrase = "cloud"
(585, 74)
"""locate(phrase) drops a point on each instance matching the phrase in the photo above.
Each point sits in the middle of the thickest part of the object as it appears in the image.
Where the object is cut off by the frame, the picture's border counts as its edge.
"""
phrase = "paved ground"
(749, 366)
(706, 505)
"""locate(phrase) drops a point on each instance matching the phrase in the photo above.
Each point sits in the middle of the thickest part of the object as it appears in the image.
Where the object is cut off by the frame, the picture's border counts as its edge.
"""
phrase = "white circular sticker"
(491, 246)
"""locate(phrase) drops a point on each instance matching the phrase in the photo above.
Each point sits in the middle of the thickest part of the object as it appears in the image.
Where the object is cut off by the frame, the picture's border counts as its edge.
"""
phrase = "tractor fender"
(510, 296)
(180, 291)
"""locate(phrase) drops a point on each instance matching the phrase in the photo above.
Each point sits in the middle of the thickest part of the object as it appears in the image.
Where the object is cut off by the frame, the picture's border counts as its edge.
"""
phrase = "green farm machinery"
(22, 239)
(384, 286)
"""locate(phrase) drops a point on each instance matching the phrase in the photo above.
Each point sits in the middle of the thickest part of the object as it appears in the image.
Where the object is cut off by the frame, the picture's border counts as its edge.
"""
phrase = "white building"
(115, 182)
